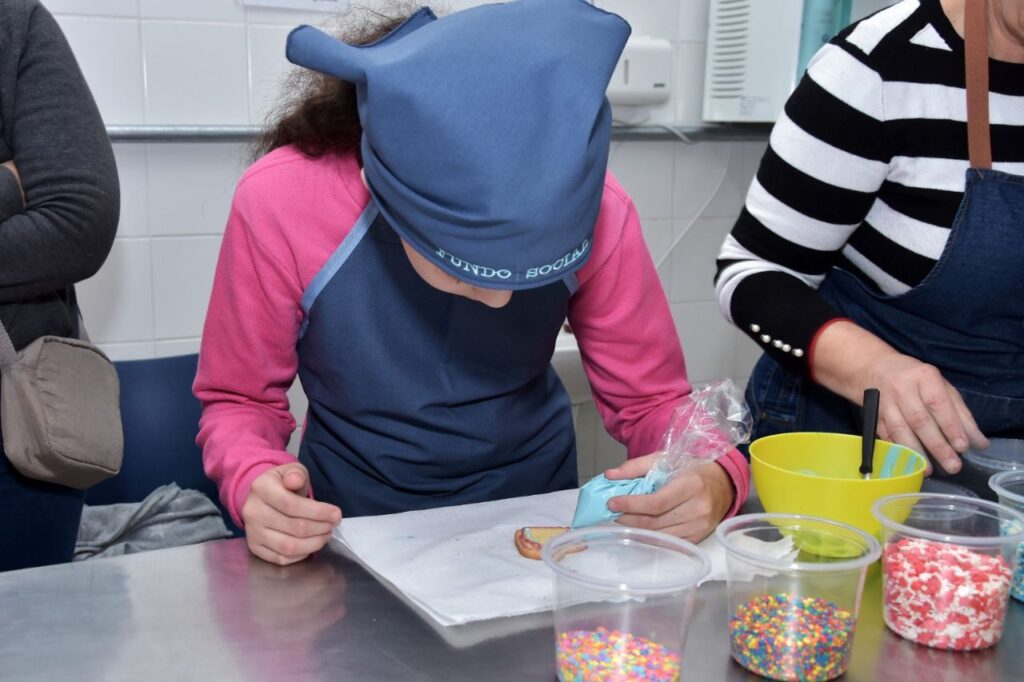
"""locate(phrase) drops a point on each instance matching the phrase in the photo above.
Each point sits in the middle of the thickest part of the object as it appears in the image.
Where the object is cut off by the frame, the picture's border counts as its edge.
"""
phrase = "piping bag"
(705, 426)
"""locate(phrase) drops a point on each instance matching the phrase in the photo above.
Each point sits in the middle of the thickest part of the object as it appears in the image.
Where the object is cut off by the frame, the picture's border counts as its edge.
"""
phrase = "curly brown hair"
(318, 113)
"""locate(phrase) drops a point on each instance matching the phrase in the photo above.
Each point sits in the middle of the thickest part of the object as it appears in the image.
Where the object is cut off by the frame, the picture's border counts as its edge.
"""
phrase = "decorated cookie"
(531, 539)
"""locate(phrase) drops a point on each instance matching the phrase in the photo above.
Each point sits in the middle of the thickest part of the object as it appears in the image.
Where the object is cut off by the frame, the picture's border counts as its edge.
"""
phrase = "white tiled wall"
(217, 62)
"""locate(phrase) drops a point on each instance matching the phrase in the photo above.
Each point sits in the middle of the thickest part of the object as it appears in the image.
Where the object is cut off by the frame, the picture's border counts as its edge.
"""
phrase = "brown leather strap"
(979, 142)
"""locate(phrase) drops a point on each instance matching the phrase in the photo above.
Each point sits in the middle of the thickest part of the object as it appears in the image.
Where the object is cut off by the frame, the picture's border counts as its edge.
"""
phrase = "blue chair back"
(160, 417)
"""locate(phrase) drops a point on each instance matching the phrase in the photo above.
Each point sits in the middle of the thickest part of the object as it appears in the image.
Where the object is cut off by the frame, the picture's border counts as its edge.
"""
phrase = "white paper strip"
(459, 564)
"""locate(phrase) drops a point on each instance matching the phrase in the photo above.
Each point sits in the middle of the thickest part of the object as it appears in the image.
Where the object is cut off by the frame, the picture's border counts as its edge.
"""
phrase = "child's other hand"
(688, 506)
(282, 524)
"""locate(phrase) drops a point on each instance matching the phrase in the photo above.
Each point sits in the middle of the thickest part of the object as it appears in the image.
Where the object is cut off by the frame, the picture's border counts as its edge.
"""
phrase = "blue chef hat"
(485, 133)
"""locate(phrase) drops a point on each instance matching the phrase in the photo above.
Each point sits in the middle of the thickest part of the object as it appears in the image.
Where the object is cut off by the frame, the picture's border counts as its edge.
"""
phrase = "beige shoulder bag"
(60, 410)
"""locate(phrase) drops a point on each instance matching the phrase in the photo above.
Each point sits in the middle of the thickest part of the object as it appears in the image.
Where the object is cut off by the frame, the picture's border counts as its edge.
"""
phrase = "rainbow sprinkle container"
(623, 598)
(794, 589)
(947, 566)
(1009, 488)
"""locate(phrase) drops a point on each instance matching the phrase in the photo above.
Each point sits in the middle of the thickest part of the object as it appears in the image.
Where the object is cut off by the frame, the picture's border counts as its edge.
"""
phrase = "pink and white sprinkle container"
(947, 566)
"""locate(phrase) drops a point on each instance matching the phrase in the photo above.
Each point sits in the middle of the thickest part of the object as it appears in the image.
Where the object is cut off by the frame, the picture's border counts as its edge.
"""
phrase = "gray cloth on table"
(168, 517)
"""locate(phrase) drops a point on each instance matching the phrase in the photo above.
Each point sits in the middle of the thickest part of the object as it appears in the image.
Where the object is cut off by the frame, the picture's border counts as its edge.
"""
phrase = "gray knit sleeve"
(10, 195)
(59, 144)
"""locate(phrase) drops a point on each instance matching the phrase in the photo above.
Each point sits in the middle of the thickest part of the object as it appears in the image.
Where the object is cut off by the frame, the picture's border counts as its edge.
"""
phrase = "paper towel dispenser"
(643, 75)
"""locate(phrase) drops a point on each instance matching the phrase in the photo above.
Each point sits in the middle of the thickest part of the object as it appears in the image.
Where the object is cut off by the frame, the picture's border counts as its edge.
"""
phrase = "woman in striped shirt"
(875, 250)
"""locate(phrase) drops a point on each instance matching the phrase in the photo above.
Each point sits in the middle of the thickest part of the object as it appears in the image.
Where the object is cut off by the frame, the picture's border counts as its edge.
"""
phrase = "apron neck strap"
(979, 142)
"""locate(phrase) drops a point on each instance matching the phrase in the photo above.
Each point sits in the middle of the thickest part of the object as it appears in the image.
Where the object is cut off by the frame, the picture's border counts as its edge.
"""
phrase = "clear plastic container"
(623, 598)
(944, 486)
(794, 589)
(947, 565)
(1009, 488)
(1002, 454)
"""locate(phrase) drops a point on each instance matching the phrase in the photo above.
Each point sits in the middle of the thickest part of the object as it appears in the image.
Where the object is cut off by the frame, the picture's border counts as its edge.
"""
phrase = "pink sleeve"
(628, 340)
(247, 362)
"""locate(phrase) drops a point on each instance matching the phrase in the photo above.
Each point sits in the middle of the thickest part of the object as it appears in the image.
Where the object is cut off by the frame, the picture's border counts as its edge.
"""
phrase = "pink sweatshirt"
(290, 213)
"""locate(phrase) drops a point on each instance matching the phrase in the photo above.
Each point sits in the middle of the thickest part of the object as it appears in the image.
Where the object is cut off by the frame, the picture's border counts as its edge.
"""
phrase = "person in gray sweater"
(59, 206)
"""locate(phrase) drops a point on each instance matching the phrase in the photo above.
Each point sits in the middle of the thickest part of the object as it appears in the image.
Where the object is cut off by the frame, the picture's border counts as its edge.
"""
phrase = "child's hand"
(688, 506)
(282, 525)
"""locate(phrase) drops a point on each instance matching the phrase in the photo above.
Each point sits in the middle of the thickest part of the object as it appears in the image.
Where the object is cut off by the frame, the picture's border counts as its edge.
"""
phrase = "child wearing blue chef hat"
(430, 210)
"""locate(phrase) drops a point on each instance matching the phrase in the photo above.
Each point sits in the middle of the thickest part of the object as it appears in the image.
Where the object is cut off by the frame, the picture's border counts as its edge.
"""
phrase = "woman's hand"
(282, 525)
(917, 407)
(920, 409)
(688, 506)
(9, 165)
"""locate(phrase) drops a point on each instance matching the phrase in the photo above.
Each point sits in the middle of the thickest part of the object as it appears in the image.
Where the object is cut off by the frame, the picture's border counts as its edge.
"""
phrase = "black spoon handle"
(869, 428)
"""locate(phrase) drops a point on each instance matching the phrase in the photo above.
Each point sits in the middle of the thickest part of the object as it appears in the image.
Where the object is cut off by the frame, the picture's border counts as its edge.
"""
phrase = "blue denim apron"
(419, 398)
(966, 317)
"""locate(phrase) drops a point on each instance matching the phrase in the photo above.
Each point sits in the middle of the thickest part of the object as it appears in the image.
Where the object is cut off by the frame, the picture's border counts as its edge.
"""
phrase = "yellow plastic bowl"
(818, 474)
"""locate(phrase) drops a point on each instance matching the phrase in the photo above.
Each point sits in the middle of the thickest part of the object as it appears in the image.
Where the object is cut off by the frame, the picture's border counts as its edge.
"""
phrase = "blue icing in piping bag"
(592, 505)
(709, 423)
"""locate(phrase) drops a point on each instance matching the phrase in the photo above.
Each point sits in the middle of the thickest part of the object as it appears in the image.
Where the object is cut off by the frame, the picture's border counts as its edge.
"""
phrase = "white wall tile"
(131, 173)
(693, 259)
(287, 17)
(114, 75)
(196, 73)
(693, 20)
(195, 10)
(645, 170)
(173, 347)
(267, 68)
(708, 341)
(711, 179)
(106, 8)
(191, 185)
(654, 18)
(117, 302)
(182, 279)
(747, 354)
(143, 350)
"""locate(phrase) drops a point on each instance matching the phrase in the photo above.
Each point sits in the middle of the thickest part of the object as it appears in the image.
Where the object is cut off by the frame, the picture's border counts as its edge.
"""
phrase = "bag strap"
(979, 141)
(8, 356)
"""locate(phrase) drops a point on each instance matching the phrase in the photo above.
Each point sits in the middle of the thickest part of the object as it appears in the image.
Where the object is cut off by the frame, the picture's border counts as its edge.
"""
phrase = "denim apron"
(419, 398)
(966, 317)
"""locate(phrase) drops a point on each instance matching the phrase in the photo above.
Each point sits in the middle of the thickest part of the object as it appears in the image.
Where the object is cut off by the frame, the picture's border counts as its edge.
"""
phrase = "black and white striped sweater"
(864, 171)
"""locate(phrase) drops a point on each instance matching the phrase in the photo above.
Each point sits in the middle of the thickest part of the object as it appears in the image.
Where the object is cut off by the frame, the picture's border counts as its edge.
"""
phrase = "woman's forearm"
(840, 357)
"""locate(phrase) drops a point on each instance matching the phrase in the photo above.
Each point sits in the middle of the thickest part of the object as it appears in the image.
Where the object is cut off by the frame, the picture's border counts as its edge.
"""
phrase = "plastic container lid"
(800, 523)
(596, 558)
(1009, 486)
(1003, 454)
(951, 508)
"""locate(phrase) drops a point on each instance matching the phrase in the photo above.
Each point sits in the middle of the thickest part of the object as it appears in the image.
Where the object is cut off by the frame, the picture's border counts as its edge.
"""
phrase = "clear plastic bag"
(709, 423)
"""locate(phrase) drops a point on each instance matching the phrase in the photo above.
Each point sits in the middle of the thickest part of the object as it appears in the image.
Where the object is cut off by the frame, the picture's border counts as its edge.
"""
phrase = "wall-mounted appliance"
(643, 75)
(757, 50)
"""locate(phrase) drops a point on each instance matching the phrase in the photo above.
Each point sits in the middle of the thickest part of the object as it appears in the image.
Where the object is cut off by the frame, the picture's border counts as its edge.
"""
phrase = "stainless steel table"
(212, 612)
